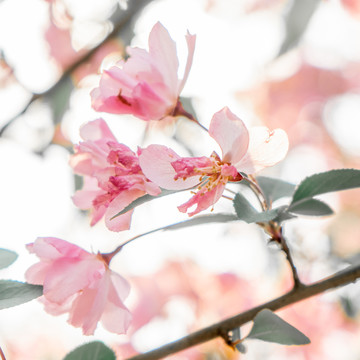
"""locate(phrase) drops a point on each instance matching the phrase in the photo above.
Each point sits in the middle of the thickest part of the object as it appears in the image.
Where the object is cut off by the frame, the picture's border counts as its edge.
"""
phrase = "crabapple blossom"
(146, 85)
(81, 284)
(243, 151)
(112, 176)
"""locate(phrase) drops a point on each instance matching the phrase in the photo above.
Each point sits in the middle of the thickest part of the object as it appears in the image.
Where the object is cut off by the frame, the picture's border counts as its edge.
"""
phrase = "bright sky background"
(234, 51)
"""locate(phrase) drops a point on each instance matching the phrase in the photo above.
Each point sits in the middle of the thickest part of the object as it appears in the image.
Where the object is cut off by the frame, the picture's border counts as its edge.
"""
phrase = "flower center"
(212, 171)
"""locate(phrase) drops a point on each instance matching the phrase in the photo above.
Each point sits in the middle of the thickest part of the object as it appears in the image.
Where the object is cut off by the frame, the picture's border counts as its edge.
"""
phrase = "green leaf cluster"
(12, 292)
(302, 202)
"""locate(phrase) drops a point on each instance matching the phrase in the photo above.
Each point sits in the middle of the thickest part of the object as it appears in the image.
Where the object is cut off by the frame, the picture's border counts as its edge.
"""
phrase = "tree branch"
(121, 22)
(351, 274)
(2, 355)
(285, 248)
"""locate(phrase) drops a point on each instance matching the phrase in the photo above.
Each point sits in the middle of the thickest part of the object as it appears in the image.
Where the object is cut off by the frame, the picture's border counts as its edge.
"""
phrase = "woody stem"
(2, 355)
(180, 111)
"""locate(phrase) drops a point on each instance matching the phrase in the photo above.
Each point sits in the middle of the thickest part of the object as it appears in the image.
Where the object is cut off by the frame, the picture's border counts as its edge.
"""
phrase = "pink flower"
(112, 176)
(146, 85)
(81, 284)
(242, 151)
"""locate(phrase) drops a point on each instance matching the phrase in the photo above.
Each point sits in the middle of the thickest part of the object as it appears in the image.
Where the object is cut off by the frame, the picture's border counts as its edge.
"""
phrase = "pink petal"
(84, 198)
(155, 162)
(189, 166)
(96, 130)
(231, 134)
(121, 222)
(67, 276)
(53, 248)
(87, 308)
(203, 199)
(113, 82)
(163, 51)
(57, 309)
(81, 163)
(266, 148)
(191, 40)
(97, 214)
(116, 317)
(148, 104)
(139, 65)
(36, 273)
(151, 188)
(121, 286)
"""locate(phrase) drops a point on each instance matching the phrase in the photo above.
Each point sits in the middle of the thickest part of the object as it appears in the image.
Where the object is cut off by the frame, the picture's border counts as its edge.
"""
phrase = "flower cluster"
(242, 152)
(81, 284)
(146, 86)
(112, 176)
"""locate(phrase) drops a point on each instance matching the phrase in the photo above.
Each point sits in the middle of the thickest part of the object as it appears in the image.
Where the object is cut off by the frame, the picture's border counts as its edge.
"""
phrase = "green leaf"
(95, 350)
(310, 207)
(202, 219)
(14, 293)
(270, 327)
(274, 189)
(144, 199)
(283, 215)
(245, 211)
(59, 97)
(236, 335)
(7, 257)
(334, 180)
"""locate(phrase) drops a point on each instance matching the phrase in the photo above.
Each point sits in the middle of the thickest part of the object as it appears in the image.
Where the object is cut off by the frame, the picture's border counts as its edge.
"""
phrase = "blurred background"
(280, 63)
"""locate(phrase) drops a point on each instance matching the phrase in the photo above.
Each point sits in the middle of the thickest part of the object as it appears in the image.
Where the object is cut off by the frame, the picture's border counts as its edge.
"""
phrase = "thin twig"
(126, 16)
(342, 278)
(285, 248)
(2, 355)
(257, 191)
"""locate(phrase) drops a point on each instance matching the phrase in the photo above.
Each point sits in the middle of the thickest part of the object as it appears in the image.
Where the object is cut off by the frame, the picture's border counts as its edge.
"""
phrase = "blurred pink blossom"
(352, 6)
(146, 85)
(112, 176)
(242, 151)
(81, 284)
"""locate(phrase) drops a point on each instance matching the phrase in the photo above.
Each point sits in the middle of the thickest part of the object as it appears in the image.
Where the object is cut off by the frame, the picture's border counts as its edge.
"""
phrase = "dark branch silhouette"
(222, 328)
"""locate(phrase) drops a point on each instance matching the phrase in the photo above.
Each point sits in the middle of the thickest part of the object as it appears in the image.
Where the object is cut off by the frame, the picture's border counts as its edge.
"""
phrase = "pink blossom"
(81, 284)
(146, 85)
(242, 151)
(112, 176)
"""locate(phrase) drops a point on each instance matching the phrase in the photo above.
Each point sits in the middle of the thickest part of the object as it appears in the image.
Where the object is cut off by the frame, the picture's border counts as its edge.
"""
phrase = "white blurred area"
(234, 51)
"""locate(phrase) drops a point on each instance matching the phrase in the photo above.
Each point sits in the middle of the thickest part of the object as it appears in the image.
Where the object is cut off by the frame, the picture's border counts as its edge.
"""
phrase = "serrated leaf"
(270, 327)
(14, 293)
(202, 219)
(274, 189)
(329, 181)
(7, 257)
(245, 211)
(95, 350)
(310, 207)
(144, 199)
